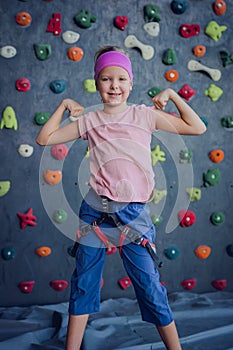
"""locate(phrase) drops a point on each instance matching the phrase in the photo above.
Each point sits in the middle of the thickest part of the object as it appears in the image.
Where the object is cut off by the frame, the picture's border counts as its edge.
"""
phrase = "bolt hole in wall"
(46, 51)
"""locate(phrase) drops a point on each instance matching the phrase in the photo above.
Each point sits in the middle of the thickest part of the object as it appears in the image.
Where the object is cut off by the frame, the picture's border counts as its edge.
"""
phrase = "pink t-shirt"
(120, 152)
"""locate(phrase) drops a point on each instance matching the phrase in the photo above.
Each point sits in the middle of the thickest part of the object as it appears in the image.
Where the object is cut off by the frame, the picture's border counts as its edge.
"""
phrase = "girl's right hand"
(73, 107)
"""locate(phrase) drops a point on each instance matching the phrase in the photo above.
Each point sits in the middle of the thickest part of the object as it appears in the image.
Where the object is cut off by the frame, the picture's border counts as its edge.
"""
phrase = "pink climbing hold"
(26, 286)
(27, 219)
(59, 284)
(189, 283)
(186, 92)
(125, 282)
(59, 151)
(219, 284)
(186, 218)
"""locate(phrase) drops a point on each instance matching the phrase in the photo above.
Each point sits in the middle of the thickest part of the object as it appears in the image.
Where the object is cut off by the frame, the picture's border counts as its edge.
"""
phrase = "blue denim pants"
(86, 279)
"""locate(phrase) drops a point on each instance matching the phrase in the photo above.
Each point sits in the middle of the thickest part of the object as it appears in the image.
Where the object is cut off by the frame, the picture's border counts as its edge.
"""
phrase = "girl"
(121, 184)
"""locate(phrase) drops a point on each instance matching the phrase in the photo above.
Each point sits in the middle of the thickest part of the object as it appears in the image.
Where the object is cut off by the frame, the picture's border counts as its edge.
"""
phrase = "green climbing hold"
(42, 51)
(152, 92)
(194, 193)
(4, 187)
(151, 13)
(217, 218)
(60, 216)
(84, 19)
(214, 92)
(156, 219)
(211, 177)
(172, 252)
(157, 155)
(89, 85)
(159, 195)
(214, 30)
(229, 250)
(169, 57)
(227, 122)
(41, 118)
(9, 119)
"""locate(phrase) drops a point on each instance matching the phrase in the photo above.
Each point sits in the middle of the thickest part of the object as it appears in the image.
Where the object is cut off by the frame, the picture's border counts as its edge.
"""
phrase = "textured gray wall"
(26, 179)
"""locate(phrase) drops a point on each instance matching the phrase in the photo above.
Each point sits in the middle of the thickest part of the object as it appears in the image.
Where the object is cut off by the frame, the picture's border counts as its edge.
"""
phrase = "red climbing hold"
(186, 92)
(189, 283)
(219, 284)
(188, 30)
(59, 284)
(121, 22)
(26, 286)
(54, 25)
(186, 217)
(125, 282)
(27, 219)
(23, 84)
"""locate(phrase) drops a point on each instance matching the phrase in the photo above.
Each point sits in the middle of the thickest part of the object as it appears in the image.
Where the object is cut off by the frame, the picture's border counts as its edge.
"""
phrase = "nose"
(114, 84)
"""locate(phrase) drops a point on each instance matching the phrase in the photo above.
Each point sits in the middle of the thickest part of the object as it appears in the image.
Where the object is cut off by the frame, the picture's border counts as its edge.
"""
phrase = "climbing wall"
(46, 55)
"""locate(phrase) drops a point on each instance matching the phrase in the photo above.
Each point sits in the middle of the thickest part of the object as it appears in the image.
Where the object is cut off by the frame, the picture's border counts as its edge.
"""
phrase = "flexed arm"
(51, 134)
(189, 123)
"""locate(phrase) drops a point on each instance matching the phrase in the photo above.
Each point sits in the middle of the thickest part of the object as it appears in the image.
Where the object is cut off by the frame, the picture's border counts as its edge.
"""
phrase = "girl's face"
(114, 85)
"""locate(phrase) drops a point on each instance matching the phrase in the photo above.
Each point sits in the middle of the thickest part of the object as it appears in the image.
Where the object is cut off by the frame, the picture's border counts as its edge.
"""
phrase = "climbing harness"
(125, 232)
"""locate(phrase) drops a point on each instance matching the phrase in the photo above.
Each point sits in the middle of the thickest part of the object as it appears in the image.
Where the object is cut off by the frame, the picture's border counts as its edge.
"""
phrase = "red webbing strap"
(101, 235)
(121, 241)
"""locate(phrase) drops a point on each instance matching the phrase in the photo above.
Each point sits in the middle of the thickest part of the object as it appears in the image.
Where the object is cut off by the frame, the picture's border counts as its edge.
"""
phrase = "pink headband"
(113, 58)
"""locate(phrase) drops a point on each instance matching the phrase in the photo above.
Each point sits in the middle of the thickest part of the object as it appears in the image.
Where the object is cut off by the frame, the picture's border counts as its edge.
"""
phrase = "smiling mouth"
(114, 94)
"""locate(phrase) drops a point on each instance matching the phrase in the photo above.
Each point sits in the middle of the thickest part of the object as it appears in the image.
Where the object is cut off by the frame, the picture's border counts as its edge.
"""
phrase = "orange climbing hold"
(75, 53)
(43, 251)
(219, 7)
(203, 251)
(52, 177)
(217, 155)
(23, 19)
(171, 75)
(199, 50)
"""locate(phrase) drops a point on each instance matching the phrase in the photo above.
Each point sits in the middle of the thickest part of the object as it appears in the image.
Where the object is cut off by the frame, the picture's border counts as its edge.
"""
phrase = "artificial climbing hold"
(226, 58)
(70, 37)
(159, 195)
(152, 92)
(199, 50)
(229, 250)
(124, 282)
(186, 218)
(4, 187)
(219, 7)
(8, 253)
(60, 216)
(194, 193)
(172, 252)
(59, 151)
(23, 84)
(156, 219)
(219, 284)
(179, 6)
(189, 30)
(26, 286)
(216, 156)
(211, 177)
(52, 177)
(54, 25)
(42, 51)
(43, 251)
(185, 156)
(189, 283)
(171, 75)
(169, 57)
(186, 92)
(215, 74)
(152, 28)
(27, 219)
(75, 53)
(147, 51)
(41, 118)
(89, 85)
(121, 22)
(111, 250)
(214, 30)
(227, 122)
(25, 150)
(217, 218)
(214, 92)
(57, 86)
(24, 19)
(59, 285)
(9, 119)
(84, 19)
(203, 251)
(151, 13)
(8, 51)
(157, 155)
